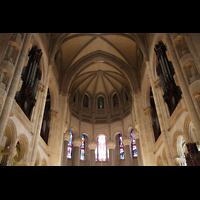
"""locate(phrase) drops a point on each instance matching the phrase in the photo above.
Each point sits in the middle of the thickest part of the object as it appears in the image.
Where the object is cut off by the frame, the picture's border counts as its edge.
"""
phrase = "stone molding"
(111, 145)
(67, 136)
(92, 145)
(76, 142)
(126, 141)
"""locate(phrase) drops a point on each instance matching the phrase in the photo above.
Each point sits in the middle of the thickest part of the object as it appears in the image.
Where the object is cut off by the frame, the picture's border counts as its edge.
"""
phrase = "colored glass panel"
(121, 147)
(82, 157)
(101, 103)
(69, 149)
(115, 100)
(102, 148)
(134, 148)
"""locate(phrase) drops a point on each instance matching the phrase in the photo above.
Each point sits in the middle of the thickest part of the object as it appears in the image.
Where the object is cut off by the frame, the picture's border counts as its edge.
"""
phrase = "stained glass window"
(101, 150)
(121, 147)
(134, 148)
(115, 100)
(85, 101)
(69, 149)
(101, 102)
(83, 148)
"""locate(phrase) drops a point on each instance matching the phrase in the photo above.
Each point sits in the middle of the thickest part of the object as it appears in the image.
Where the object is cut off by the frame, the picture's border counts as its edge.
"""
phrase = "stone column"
(66, 139)
(40, 116)
(127, 151)
(76, 151)
(13, 87)
(150, 134)
(185, 90)
(111, 146)
(92, 146)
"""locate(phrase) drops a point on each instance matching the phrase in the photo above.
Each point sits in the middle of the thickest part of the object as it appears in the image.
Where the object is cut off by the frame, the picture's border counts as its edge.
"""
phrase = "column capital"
(41, 87)
(157, 83)
(111, 144)
(92, 145)
(148, 111)
(126, 141)
(53, 114)
(76, 142)
(67, 136)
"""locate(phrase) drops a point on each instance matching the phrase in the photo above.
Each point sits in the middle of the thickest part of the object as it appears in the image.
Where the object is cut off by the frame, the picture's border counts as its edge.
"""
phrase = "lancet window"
(69, 148)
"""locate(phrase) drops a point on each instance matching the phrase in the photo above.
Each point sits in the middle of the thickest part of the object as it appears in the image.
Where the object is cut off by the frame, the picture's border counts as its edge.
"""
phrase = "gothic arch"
(11, 133)
(175, 137)
(24, 149)
(60, 39)
(186, 132)
(84, 62)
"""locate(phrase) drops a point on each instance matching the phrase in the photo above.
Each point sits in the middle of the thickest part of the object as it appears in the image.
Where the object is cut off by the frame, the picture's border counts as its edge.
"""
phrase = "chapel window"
(121, 147)
(69, 148)
(82, 156)
(101, 152)
(100, 102)
(85, 101)
(115, 100)
(134, 148)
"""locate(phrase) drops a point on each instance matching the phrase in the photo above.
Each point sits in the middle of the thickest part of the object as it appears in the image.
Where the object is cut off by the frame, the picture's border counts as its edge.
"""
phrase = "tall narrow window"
(101, 151)
(115, 100)
(102, 148)
(121, 147)
(134, 148)
(101, 102)
(85, 101)
(69, 149)
(83, 148)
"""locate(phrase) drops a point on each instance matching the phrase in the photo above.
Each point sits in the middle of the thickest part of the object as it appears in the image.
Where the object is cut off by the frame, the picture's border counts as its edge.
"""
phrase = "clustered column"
(76, 152)
(127, 151)
(111, 146)
(92, 146)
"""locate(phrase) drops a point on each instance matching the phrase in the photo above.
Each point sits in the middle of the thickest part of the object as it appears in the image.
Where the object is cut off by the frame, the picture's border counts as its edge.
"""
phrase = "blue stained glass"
(134, 148)
(82, 157)
(69, 149)
(121, 147)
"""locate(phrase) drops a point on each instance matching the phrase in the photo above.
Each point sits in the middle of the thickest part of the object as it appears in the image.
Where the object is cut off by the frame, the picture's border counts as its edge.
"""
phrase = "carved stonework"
(111, 145)
(76, 142)
(92, 145)
(126, 141)
(193, 156)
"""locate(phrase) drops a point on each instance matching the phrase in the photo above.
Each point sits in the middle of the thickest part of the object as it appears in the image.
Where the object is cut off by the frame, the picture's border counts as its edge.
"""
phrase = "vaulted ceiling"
(98, 62)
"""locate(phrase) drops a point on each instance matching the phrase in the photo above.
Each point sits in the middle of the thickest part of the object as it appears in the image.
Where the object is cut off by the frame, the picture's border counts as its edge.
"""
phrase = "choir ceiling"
(99, 75)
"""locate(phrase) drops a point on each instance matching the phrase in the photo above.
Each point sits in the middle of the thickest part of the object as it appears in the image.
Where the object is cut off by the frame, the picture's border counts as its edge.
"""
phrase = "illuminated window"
(121, 147)
(134, 148)
(82, 157)
(100, 102)
(101, 150)
(69, 149)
